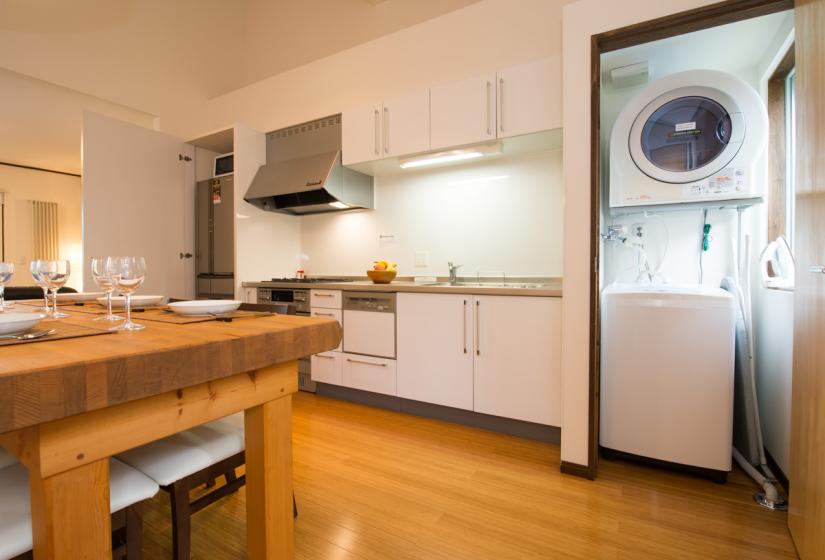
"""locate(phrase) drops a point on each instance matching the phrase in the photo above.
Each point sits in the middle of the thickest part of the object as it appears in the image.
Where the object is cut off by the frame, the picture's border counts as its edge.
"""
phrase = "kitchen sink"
(489, 285)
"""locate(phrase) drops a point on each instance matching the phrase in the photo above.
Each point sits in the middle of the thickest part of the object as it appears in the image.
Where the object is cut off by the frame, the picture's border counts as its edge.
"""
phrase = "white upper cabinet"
(435, 354)
(529, 97)
(463, 112)
(510, 102)
(361, 134)
(406, 124)
(398, 126)
(518, 358)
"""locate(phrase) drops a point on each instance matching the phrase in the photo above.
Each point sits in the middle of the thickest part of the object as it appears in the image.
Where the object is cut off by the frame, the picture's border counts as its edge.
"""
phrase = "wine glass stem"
(2, 298)
(46, 299)
(109, 302)
(128, 308)
(54, 301)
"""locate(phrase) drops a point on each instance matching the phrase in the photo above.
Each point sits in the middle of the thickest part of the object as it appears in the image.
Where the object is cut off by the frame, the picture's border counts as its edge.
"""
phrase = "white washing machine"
(667, 374)
(693, 136)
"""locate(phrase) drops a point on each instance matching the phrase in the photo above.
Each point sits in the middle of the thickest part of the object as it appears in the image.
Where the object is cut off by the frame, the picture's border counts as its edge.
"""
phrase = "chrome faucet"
(453, 269)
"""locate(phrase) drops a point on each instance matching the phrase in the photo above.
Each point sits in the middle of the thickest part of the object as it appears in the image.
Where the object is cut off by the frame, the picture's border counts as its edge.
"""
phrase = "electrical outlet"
(422, 258)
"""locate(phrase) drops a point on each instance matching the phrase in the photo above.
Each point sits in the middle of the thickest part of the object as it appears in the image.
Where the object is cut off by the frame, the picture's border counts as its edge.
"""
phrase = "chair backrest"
(31, 292)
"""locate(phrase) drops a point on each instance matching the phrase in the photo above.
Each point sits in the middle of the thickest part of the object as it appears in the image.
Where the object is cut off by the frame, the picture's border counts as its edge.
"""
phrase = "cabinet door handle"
(386, 130)
(478, 322)
(323, 295)
(817, 269)
(323, 356)
(501, 104)
(317, 314)
(487, 109)
(464, 331)
(365, 363)
(377, 141)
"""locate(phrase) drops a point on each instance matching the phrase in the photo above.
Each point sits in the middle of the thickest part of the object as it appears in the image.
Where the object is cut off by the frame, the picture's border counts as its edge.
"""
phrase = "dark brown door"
(807, 500)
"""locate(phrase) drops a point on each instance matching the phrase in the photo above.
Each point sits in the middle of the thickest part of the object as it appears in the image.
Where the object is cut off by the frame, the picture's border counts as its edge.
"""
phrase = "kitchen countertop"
(549, 287)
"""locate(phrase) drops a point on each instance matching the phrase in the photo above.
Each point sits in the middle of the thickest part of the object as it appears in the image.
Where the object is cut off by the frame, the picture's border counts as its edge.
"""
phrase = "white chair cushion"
(180, 455)
(6, 458)
(127, 487)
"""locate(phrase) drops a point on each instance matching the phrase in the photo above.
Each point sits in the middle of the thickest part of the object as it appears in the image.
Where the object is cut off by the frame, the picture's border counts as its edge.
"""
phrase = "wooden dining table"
(68, 405)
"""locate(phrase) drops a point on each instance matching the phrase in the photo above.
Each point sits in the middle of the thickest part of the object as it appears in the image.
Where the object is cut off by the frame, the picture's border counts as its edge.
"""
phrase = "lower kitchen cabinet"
(517, 364)
(327, 368)
(367, 373)
(336, 314)
(435, 355)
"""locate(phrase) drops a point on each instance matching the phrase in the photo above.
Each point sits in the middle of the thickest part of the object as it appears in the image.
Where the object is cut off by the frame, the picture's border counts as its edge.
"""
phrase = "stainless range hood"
(303, 172)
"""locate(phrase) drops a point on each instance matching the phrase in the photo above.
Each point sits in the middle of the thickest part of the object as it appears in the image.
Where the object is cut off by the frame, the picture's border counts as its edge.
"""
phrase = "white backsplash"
(503, 215)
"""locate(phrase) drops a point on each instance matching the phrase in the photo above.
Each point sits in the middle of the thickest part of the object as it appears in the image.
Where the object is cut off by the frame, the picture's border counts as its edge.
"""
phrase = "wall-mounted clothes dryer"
(693, 136)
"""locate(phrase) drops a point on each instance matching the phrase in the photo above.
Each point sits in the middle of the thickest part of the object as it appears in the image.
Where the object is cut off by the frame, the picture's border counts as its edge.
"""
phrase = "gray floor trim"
(539, 432)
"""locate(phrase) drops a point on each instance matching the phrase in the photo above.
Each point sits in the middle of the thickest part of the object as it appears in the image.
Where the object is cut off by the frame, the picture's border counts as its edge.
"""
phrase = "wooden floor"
(373, 484)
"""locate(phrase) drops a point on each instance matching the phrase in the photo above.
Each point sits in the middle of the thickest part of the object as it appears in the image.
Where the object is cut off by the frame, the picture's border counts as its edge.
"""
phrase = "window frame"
(780, 143)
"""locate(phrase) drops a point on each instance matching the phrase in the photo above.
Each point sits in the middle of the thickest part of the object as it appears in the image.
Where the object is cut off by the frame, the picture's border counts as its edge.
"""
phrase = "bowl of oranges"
(382, 272)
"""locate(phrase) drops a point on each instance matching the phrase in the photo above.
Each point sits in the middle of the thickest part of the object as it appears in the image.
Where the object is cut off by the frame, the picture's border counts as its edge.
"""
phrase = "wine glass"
(101, 277)
(6, 272)
(127, 274)
(56, 274)
(37, 267)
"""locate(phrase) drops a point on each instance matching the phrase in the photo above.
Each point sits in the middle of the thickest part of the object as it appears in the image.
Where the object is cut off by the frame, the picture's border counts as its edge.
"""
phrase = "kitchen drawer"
(368, 374)
(326, 367)
(330, 299)
(332, 313)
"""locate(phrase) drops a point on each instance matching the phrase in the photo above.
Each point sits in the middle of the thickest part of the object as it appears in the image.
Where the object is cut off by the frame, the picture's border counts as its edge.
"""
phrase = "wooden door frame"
(705, 17)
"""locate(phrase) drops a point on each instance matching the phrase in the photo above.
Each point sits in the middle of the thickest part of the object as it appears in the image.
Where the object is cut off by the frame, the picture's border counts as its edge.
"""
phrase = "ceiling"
(157, 56)
(731, 48)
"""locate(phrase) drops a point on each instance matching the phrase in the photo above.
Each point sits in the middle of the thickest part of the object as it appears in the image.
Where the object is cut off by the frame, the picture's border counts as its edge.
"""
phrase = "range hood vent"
(304, 175)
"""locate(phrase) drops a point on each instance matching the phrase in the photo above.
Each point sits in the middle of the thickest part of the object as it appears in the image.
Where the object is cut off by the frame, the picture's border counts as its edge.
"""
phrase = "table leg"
(270, 526)
(70, 513)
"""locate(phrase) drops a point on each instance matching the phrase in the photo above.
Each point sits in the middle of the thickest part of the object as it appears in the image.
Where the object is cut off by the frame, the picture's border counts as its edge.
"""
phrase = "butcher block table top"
(48, 380)
(68, 405)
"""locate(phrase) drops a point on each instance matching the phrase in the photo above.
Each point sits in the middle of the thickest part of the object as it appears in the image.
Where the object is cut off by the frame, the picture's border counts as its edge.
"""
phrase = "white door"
(529, 97)
(517, 370)
(463, 112)
(435, 349)
(406, 124)
(361, 134)
(138, 200)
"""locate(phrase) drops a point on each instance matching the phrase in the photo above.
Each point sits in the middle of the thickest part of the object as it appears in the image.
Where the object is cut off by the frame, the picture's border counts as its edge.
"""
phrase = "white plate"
(88, 296)
(119, 302)
(205, 306)
(16, 323)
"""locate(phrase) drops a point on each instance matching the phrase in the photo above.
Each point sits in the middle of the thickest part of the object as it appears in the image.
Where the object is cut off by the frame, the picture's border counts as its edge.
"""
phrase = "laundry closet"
(687, 262)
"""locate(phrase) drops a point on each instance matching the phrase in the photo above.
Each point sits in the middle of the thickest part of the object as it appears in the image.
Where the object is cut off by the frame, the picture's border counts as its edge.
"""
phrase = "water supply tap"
(453, 269)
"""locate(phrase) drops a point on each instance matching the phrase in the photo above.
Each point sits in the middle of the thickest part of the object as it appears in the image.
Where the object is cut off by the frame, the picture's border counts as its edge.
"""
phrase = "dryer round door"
(686, 135)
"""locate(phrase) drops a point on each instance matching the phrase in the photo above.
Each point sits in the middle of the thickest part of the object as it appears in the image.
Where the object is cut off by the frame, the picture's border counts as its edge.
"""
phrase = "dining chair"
(188, 460)
(128, 488)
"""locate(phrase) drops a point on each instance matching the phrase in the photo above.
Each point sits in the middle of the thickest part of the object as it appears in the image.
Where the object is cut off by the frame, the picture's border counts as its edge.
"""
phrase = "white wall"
(504, 215)
(23, 185)
(582, 20)
(479, 38)
(41, 122)
(266, 243)
(773, 318)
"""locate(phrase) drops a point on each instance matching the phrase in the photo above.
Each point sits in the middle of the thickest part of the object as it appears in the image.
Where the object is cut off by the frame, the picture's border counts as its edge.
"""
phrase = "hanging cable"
(705, 245)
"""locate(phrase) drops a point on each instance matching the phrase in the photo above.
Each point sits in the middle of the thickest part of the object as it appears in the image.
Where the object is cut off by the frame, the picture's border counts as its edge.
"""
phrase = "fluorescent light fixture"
(338, 204)
(434, 160)
(451, 156)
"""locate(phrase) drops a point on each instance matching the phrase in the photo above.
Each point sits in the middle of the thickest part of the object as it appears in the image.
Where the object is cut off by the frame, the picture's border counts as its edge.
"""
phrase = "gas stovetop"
(315, 280)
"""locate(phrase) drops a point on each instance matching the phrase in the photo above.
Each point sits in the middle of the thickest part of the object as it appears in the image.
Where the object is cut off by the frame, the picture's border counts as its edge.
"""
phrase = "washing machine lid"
(687, 134)
(667, 295)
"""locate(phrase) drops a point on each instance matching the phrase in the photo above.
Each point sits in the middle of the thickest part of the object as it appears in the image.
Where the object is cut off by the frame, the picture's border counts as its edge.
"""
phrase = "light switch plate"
(422, 258)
